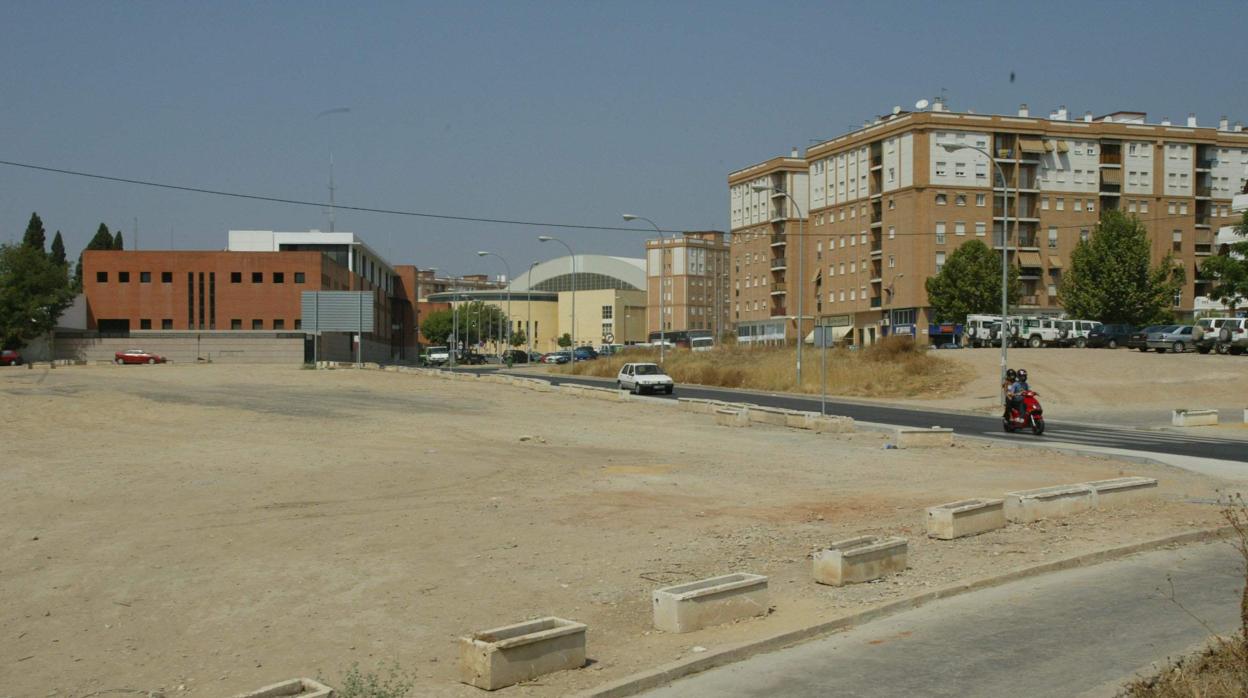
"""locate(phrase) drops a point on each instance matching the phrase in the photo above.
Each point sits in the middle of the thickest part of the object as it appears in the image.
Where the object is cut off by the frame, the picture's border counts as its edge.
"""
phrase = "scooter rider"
(1010, 376)
(1014, 394)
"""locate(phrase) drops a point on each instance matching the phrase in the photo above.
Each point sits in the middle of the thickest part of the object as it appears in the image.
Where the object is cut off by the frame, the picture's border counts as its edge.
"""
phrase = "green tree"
(34, 291)
(58, 249)
(565, 340)
(437, 326)
(118, 243)
(1229, 269)
(103, 240)
(35, 237)
(970, 283)
(1111, 278)
(519, 338)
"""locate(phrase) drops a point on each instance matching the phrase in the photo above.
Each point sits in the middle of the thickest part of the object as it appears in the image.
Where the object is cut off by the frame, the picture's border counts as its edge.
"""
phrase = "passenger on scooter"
(1010, 376)
(1014, 394)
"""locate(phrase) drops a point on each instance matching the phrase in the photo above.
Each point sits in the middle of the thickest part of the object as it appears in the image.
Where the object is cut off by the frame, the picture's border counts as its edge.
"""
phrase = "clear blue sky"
(568, 112)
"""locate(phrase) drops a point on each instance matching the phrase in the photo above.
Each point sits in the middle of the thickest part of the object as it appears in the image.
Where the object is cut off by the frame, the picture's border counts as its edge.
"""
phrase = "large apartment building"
(888, 204)
(693, 275)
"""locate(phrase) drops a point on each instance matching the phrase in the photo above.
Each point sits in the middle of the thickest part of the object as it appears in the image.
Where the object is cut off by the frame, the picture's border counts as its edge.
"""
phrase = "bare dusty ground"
(1105, 385)
(211, 529)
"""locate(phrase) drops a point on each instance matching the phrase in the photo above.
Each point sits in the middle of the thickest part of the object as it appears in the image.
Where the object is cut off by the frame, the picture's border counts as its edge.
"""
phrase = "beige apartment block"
(888, 204)
(693, 272)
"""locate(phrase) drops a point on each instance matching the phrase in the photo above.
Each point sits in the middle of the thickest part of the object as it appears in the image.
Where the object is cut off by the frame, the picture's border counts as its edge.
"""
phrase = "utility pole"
(330, 141)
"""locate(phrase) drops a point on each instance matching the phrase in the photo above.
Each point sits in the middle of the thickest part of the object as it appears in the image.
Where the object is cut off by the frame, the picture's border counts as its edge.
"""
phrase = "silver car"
(1175, 338)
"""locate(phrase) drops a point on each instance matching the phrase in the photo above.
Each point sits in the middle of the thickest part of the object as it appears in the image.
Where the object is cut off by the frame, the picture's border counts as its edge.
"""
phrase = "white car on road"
(641, 378)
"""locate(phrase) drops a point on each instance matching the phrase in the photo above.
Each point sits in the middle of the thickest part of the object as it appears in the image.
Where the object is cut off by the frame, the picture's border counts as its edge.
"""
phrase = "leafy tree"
(970, 283)
(58, 249)
(118, 243)
(565, 340)
(437, 326)
(36, 236)
(519, 338)
(1110, 278)
(477, 321)
(103, 240)
(34, 291)
(1229, 269)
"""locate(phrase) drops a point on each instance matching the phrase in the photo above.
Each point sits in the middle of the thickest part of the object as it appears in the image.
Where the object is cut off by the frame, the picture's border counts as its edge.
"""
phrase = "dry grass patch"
(894, 367)
(1219, 672)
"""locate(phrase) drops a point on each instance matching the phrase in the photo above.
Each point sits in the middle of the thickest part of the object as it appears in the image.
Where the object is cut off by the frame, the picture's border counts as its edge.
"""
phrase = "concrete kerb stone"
(936, 437)
(1195, 418)
(726, 417)
(492, 659)
(1026, 506)
(302, 688)
(665, 674)
(775, 416)
(1122, 490)
(861, 559)
(969, 517)
(695, 605)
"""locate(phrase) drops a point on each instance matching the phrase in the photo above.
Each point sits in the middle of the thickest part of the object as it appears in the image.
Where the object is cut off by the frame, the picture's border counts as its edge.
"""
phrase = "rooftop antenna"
(330, 141)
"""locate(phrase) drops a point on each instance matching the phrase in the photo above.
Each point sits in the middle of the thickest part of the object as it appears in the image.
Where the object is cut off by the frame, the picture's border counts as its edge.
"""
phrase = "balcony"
(779, 288)
(777, 240)
(1111, 159)
(1203, 191)
(778, 263)
(1205, 165)
(1029, 300)
(779, 311)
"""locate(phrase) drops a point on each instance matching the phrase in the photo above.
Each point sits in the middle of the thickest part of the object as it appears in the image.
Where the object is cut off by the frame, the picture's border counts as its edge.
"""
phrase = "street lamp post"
(801, 254)
(571, 256)
(662, 288)
(506, 266)
(528, 323)
(1005, 248)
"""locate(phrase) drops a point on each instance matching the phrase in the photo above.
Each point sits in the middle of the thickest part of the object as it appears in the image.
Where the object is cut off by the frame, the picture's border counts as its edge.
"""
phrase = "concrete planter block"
(492, 659)
(831, 425)
(1048, 502)
(296, 688)
(969, 517)
(732, 418)
(688, 607)
(697, 405)
(935, 437)
(1121, 490)
(769, 415)
(1194, 418)
(796, 419)
(861, 559)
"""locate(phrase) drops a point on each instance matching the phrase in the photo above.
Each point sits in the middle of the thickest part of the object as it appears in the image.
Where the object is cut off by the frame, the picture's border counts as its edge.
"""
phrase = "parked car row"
(1029, 331)
(1218, 335)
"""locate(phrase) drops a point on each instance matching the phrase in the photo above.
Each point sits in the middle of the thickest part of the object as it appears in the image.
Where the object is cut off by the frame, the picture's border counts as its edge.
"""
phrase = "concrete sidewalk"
(1072, 633)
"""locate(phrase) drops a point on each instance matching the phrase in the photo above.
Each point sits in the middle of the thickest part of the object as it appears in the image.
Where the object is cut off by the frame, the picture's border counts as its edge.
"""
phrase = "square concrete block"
(969, 517)
(732, 418)
(688, 607)
(796, 419)
(769, 415)
(1048, 502)
(1122, 490)
(492, 659)
(860, 559)
(831, 424)
(296, 688)
(698, 405)
(1194, 418)
(935, 437)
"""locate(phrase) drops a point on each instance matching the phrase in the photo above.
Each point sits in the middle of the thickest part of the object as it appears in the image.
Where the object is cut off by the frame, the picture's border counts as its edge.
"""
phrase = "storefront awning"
(837, 333)
(1031, 145)
(1055, 262)
(1029, 259)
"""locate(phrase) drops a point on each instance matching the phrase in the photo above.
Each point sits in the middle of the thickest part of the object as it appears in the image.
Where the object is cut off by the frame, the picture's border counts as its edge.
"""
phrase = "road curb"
(667, 673)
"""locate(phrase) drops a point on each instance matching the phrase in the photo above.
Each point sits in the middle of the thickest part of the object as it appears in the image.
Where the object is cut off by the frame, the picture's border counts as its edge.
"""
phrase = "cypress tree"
(36, 236)
(103, 240)
(58, 249)
(118, 244)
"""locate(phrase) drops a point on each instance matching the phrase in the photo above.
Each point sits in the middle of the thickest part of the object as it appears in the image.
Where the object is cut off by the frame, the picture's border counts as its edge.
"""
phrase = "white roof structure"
(593, 272)
(275, 241)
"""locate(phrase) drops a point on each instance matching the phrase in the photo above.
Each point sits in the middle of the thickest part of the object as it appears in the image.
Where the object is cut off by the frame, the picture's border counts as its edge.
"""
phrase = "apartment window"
(1078, 204)
(166, 324)
(842, 267)
(853, 267)
(166, 277)
(941, 200)
(1177, 241)
(852, 212)
(842, 242)
(608, 312)
(981, 229)
(101, 277)
(981, 172)
(981, 200)
(279, 277)
(1183, 208)
(1143, 207)
(145, 324)
(892, 232)
(236, 277)
(257, 324)
(236, 324)
(298, 324)
(892, 262)
(1172, 208)
(853, 295)
(1130, 207)
(940, 233)
(940, 261)
(257, 277)
(892, 175)
(1044, 203)
(960, 200)
(842, 296)
(279, 324)
(1091, 149)
(1060, 204)
(145, 277)
(299, 278)
(959, 169)
(892, 204)
(864, 237)
(123, 277)
(1052, 237)
(1131, 149)
(832, 270)
(959, 228)
(1087, 205)
(1083, 235)
(1052, 288)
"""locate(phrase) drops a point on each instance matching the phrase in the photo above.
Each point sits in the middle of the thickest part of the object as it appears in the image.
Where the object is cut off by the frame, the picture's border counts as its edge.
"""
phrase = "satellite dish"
(921, 104)
(896, 110)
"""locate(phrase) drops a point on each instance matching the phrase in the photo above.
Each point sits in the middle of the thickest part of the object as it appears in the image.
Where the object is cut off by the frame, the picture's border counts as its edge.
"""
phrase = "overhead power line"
(318, 204)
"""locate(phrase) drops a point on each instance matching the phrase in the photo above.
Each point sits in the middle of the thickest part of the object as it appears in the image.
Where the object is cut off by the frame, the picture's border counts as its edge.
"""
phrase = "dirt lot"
(1106, 385)
(214, 529)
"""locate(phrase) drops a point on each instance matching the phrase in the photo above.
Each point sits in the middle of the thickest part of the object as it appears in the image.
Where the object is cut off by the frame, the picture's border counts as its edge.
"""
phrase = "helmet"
(1022, 375)
(1010, 374)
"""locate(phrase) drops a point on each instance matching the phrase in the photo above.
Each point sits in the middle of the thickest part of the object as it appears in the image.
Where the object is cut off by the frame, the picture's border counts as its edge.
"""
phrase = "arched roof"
(593, 272)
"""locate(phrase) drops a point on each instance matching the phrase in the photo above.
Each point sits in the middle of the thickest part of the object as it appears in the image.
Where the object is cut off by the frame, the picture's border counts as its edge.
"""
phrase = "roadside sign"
(608, 338)
(836, 321)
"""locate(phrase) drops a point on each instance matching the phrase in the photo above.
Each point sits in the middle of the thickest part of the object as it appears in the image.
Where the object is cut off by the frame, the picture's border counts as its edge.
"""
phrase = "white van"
(1077, 331)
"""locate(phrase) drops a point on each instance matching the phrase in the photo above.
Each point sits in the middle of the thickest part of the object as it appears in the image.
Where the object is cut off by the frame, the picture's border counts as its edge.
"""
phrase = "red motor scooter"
(1032, 415)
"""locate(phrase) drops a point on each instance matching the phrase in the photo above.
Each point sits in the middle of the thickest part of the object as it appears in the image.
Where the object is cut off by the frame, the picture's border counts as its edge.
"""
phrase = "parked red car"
(137, 356)
(10, 357)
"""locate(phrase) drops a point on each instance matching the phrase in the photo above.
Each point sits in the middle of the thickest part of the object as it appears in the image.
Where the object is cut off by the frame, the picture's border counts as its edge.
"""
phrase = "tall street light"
(777, 192)
(1005, 248)
(571, 256)
(662, 287)
(506, 266)
(528, 323)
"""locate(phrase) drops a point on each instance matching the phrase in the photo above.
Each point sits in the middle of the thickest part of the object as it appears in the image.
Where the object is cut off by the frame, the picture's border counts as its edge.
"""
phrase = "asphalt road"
(1056, 432)
(1071, 633)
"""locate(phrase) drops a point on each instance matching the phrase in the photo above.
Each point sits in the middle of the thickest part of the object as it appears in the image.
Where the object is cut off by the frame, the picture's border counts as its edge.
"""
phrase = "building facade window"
(257, 324)
(608, 312)
(257, 277)
(166, 324)
(299, 277)
(145, 324)
(279, 277)
(166, 277)
(101, 277)
(123, 277)
(236, 324)
(279, 324)
(1052, 237)
(981, 229)
(236, 277)
(940, 232)
(145, 277)
(940, 261)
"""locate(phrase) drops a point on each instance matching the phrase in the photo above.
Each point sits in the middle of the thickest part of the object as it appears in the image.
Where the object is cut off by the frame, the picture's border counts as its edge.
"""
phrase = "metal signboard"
(336, 311)
(836, 321)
